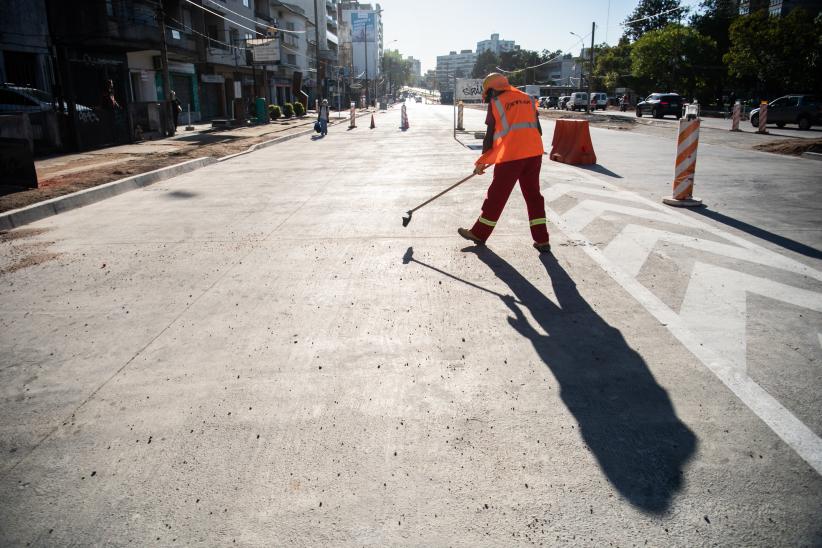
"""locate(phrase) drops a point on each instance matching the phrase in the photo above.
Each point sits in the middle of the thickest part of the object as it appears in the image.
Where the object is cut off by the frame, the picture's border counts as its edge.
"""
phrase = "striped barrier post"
(404, 119)
(737, 115)
(763, 117)
(460, 108)
(685, 165)
(353, 122)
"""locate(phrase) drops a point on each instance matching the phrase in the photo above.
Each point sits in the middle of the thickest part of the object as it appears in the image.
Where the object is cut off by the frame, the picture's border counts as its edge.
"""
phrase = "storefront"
(97, 87)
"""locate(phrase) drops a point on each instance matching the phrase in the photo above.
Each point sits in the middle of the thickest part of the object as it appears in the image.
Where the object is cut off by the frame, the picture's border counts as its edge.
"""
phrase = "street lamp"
(582, 64)
(582, 68)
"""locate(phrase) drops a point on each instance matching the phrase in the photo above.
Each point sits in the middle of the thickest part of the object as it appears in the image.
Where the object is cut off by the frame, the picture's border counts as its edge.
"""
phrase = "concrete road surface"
(259, 354)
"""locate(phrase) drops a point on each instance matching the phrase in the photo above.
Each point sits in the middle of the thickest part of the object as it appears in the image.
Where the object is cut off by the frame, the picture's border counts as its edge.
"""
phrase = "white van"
(578, 101)
(599, 100)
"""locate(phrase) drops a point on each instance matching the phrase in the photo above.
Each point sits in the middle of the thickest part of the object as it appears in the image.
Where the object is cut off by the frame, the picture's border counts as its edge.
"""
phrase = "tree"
(713, 20)
(613, 66)
(669, 60)
(653, 15)
(487, 62)
(518, 62)
(775, 55)
(396, 70)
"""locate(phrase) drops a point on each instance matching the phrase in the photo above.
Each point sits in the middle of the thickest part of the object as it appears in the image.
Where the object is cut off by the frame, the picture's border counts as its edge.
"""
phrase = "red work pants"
(506, 175)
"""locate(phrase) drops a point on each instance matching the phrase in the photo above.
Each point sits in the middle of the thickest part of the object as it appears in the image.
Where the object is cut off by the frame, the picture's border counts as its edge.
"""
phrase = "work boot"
(544, 247)
(468, 235)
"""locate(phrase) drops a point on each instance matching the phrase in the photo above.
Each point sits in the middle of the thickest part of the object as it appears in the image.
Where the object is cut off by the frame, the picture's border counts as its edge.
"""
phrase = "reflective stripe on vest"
(535, 222)
(506, 127)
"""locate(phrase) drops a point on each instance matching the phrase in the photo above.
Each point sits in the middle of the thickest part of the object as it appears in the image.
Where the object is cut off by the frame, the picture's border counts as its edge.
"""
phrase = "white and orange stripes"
(763, 117)
(685, 166)
(353, 122)
(737, 116)
(404, 119)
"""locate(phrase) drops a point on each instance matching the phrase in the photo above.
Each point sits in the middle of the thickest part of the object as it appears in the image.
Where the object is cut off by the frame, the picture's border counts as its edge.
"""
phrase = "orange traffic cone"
(373, 125)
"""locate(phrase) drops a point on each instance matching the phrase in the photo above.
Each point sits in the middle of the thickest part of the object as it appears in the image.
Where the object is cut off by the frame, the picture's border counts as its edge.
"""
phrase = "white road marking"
(632, 246)
(713, 318)
(715, 308)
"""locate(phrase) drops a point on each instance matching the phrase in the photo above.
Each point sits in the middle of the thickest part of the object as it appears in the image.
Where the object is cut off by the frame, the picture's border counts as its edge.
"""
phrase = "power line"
(209, 38)
(253, 20)
(545, 62)
(225, 18)
(654, 15)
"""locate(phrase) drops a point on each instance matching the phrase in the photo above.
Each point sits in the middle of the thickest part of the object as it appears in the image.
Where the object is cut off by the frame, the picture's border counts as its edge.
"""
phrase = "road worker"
(513, 144)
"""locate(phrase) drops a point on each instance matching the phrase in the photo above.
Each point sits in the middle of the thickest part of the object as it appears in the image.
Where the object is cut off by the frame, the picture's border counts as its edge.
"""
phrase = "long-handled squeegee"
(406, 220)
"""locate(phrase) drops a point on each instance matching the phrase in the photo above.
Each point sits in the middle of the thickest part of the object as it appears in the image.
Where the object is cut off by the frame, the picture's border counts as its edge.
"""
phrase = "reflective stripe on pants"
(506, 175)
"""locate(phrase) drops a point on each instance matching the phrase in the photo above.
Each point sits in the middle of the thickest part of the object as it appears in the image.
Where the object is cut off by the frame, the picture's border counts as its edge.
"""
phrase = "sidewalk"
(67, 173)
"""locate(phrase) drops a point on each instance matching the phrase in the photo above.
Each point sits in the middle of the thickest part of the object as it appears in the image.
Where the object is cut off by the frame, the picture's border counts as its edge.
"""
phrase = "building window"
(246, 3)
(234, 34)
(215, 40)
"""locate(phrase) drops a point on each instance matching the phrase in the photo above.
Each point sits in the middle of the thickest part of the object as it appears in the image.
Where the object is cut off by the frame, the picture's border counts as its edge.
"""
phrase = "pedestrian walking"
(176, 109)
(513, 145)
(322, 118)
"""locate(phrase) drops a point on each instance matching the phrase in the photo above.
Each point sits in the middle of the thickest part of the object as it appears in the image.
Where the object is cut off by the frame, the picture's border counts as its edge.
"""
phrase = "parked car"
(599, 100)
(548, 102)
(562, 102)
(660, 104)
(16, 99)
(803, 110)
(418, 99)
(578, 101)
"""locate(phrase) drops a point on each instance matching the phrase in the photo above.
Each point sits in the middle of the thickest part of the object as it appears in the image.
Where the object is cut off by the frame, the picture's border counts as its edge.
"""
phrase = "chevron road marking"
(631, 248)
(714, 307)
(712, 320)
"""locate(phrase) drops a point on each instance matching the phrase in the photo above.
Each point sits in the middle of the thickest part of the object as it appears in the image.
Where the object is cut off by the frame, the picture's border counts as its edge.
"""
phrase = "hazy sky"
(427, 28)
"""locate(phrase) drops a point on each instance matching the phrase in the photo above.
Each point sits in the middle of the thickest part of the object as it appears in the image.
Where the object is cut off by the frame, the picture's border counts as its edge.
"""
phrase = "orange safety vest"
(516, 133)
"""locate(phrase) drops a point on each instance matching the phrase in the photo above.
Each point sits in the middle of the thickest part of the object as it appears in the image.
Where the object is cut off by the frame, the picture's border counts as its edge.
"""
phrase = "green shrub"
(288, 110)
(299, 109)
(274, 111)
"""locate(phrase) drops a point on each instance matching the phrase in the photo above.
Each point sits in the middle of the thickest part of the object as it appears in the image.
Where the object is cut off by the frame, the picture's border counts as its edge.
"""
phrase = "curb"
(35, 212)
(266, 144)
(812, 155)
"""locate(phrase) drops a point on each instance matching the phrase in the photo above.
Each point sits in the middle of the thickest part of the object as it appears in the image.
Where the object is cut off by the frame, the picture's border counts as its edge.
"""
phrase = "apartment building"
(495, 45)
(360, 46)
(454, 65)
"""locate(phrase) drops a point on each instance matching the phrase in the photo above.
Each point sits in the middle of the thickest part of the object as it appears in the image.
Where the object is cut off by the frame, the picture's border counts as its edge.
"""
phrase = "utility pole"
(367, 86)
(591, 70)
(161, 19)
(318, 88)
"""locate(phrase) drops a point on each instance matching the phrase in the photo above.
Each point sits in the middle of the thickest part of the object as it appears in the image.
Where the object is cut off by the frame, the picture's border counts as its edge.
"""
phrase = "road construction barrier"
(737, 115)
(353, 122)
(460, 107)
(572, 143)
(373, 125)
(404, 119)
(685, 165)
(763, 117)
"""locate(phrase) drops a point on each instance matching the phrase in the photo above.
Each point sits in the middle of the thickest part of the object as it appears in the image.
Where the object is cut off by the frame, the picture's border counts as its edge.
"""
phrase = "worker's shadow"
(624, 416)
